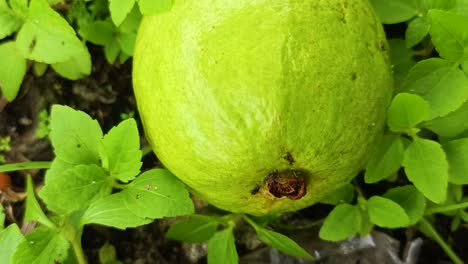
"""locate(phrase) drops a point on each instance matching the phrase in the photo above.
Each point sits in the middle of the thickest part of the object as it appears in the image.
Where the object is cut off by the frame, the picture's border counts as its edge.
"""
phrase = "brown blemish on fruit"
(289, 158)
(286, 183)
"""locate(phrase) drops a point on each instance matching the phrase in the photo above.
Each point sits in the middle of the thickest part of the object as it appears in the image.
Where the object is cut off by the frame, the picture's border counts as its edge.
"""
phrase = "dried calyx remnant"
(286, 183)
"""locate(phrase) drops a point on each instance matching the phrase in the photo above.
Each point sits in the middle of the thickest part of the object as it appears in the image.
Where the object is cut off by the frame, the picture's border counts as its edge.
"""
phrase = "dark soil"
(107, 94)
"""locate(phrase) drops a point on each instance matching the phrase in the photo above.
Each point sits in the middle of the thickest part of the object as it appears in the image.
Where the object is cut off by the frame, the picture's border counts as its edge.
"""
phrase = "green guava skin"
(227, 88)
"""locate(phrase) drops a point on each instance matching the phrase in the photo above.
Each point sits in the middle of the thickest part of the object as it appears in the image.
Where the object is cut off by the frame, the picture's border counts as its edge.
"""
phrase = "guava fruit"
(263, 106)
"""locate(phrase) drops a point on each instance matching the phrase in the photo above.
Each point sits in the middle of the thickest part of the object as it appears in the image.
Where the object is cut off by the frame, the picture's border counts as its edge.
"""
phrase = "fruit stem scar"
(286, 183)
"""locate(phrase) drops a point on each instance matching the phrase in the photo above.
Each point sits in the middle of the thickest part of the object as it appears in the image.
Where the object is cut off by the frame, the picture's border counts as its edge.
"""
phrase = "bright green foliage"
(152, 6)
(449, 34)
(10, 238)
(406, 111)
(450, 125)
(2, 217)
(112, 211)
(119, 9)
(386, 159)
(12, 70)
(282, 243)
(33, 210)
(221, 248)
(342, 222)
(418, 28)
(157, 193)
(395, 11)
(410, 199)
(427, 168)
(10, 18)
(441, 83)
(196, 229)
(457, 157)
(41, 246)
(76, 188)
(122, 158)
(386, 213)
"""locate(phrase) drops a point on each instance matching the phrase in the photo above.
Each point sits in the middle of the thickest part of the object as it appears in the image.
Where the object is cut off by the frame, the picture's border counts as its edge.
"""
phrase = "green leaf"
(107, 253)
(119, 10)
(9, 240)
(121, 152)
(343, 222)
(74, 135)
(402, 60)
(457, 157)
(344, 194)
(111, 51)
(450, 125)
(76, 188)
(46, 36)
(56, 169)
(417, 30)
(33, 210)
(395, 11)
(75, 68)
(449, 34)
(9, 22)
(410, 199)
(42, 246)
(282, 243)
(157, 193)
(427, 168)
(131, 22)
(112, 211)
(98, 32)
(20, 7)
(438, 4)
(195, 230)
(406, 111)
(2, 217)
(148, 7)
(386, 213)
(461, 7)
(386, 159)
(222, 248)
(443, 85)
(12, 70)
(127, 42)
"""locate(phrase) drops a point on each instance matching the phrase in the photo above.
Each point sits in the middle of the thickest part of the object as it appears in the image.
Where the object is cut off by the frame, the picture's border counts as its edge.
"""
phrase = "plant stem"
(78, 250)
(448, 208)
(25, 166)
(432, 233)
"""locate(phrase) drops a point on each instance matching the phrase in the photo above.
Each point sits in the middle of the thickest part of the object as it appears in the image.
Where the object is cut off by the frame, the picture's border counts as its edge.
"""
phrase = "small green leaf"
(74, 135)
(107, 253)
(46, 36)
(119, 10)
(157, 193)
(121, 152)
(76, 188)
(282, 243)
(386, 159)
(395, 11)
(457, 157)
(9, 22)
(148, 7)
(195, 230)
(427, 168)
(42, 246)
(12, 70)
(222, 248)
(450, 125)
(343, 222)
(33, 210)
(10, 238)
(112, 211)
(20, 7)
(344, 194)
(75, 68)
(417, 29)
(406, 111)
(56, 169)
(386, 213)
(111, 51)
(449, 34)
(441, 83)
(410, 199)
(131, 22)
(98, 32)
